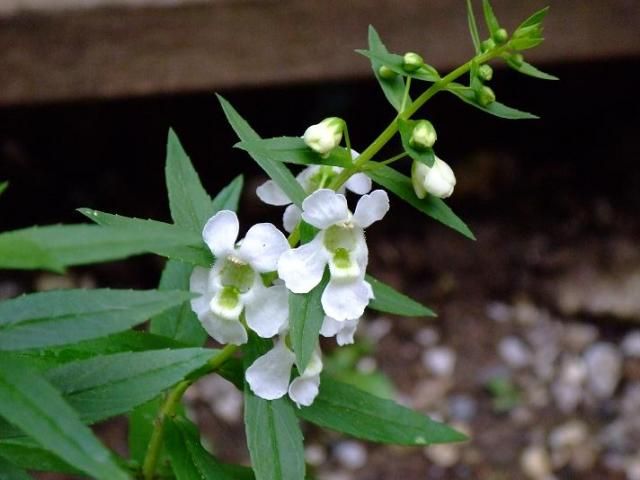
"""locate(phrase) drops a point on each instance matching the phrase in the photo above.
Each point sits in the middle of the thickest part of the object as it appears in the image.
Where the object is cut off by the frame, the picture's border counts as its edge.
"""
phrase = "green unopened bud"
(486, 96)
(485, 72)
(517, 59)
(423, 135)
(412, 61)
(386, 73)
(500, 36)
(488, 44)
(324, 136)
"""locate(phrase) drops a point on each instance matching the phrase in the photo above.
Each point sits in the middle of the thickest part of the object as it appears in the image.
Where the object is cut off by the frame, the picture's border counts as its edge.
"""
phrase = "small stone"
(499, 312)
(631, 344)
(376, 329)
(573, 371)
(632, 468)
(528, 314)
(222, 397)
(49, 281)
(578, 336)
(440, 361)
(315, 454)
(462, 407)
(631, 401)
(567, 396)
(9, 289)
(366, 365)
(571, 434)
(430, 393)
(351, 454)
(604, 367)
(535, 462)
(444, 455)
(427, 337)
(514, 352)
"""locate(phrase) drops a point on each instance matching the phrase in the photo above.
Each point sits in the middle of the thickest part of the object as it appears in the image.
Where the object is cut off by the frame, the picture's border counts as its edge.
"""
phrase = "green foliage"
(68, 316)
(273, 434)
(294, 150)
(395, 63)
(30, 403)
(434, 207)
(348, 410)
(393, 88)
(25, 453)
(9, 471)
(389, 300)
(473, 28)
(468, 95)
(426, 156)
(528, 69)
(3, 187)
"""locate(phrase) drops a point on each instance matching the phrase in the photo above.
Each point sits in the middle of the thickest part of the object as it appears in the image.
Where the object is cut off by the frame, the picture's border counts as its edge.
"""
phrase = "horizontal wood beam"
(52, 54)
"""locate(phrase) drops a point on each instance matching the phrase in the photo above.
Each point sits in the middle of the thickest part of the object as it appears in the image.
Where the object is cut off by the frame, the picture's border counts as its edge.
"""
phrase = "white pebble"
(427, 337)
(514, 352)
(440, 361)
(604, 367)
(631, 344)
(571, 434)
(351, 454)
(535, 462)
(632, 468)
(499, 312)
(443, 455)
(315, 454)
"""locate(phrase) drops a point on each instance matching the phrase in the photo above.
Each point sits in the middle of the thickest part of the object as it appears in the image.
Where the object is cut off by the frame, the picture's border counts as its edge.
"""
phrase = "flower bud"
(386, 73)
(437, 180)
(485, 72)
(486, 96)
(324, 136)
(488, 44)
(423, 135)
(412, 61)
(500, 36)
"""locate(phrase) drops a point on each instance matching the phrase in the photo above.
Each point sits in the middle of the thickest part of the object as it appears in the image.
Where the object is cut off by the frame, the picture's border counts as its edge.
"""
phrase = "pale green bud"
(386, 73)
(485, 72)
(517, 59)
(488, 44)
(486, 96)
(324, 136)
(423, 135)
(500, 36)
(412, 61)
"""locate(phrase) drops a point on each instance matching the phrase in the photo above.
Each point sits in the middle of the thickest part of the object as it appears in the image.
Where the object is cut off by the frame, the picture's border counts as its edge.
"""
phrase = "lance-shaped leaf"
(490, 18)
(533, 21)
(473, 27)
(189, 459)
(305, 320)
(163, 239)
(346, 409)
(294, 150)
(395, 62)
(276, 170)
(468, 95)
(30, 403)
(25, 453)
(434, 207)
(426, 156)
(63, 317)
(273, 434)
(393, 88)
(389, 300)
(528, 69)
(108, 385)
(9, 471)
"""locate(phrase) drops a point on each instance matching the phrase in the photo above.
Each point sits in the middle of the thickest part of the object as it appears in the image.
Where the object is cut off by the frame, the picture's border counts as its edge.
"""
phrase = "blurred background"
(536, 350)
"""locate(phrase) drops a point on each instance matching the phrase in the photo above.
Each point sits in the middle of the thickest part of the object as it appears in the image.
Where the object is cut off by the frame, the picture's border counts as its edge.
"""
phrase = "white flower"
(324, 136)
(340, 244)
(311, 178)
(234, 283)
(343, 331)
(438, 180)
(268, 376)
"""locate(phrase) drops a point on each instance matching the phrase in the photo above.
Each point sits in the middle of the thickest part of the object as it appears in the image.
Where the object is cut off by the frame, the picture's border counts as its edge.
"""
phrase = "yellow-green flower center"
(237, 275)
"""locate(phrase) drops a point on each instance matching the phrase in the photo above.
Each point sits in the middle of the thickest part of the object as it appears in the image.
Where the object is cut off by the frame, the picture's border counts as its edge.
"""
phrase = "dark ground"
(553, 204)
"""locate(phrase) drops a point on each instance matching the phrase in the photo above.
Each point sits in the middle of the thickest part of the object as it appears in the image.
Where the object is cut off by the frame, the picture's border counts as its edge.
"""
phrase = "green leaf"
(392, 88)
(162, 238)
(189, 460)
(395, 63)
(294, 150)
(68, 316)
(528, 69)
(349, 410)
(30, 403)
(140, 428)
(405, 127)
(468, 95)
(229, 197)
(273, 434)
(180, 322)
(306, 316)
(534, 20)
(189, 202)
(9, 471)
(3, 187)
(389, 300)
(434, 207)
(525, 43)
(19, 251)
(27, 454)
(108, 385)
(490, 18)
(473, 28)
(276, 170)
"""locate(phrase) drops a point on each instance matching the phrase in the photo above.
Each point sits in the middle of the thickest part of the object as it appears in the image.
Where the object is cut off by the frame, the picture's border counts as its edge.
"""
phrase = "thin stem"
(168, 410)
(395, 158)
(406, 94)
(347, 140)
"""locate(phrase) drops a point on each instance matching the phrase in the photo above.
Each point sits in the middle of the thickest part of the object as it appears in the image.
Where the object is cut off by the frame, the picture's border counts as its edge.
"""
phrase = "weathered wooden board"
(54, 53)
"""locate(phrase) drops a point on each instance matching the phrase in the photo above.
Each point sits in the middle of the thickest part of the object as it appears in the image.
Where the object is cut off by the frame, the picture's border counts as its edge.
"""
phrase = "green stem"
(168, 410)
(388, 133)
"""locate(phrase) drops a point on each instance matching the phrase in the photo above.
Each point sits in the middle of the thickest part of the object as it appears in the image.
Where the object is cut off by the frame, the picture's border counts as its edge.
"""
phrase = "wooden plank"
(48, 55)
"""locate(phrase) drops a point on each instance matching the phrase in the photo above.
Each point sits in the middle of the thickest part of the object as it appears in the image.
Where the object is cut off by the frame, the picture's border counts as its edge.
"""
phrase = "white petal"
(199, 283)
(224, 331)
(371, 208)
(324, 208)
(304, 389)
(269, 375)
(272, 194)
(343, 331)
(345, 300)
(262, 246)
(359, 183)
(268, 311)
(301, 268)
(220, 232)
(291, 217)
(224, 307)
